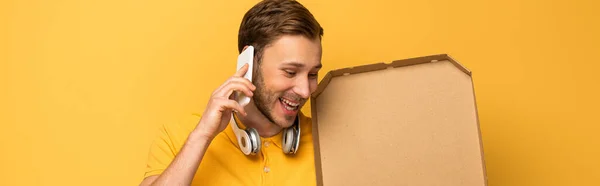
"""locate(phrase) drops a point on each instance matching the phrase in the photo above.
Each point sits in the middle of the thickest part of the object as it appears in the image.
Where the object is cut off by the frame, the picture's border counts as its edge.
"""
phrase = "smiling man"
(205, 149)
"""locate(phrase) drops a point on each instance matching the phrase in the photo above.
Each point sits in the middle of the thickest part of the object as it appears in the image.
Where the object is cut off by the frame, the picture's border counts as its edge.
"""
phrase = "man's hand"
(214, 120)
(222, 103)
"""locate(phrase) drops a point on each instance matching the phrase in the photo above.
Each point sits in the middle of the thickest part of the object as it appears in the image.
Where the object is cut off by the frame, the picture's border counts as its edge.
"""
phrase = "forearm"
(182, 169)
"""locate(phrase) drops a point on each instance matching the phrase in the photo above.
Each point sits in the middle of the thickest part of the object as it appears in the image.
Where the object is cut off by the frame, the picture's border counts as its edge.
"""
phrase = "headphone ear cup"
(254, 140)
(296, 139)
(288, 140)
(244, 141)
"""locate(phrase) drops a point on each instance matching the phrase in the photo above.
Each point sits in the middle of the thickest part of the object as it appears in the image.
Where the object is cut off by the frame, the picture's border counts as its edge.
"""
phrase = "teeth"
(289, 105)
(290, 108)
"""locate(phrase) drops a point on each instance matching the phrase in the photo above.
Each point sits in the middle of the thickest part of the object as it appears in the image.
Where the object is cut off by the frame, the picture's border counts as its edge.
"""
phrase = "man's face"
(287, 76)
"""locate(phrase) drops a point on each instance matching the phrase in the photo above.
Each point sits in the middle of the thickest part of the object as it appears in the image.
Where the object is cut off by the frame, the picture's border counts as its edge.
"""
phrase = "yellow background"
(85, 84)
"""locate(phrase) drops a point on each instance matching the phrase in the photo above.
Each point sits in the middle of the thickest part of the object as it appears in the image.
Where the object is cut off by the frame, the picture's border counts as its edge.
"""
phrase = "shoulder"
(168, 142)
(177, 132)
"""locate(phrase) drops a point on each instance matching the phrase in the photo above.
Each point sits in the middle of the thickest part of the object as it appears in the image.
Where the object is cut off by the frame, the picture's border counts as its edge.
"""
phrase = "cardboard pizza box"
(410, 122)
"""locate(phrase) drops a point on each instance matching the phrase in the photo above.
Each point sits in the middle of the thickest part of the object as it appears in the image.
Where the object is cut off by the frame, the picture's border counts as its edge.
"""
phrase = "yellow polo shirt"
(225, 164)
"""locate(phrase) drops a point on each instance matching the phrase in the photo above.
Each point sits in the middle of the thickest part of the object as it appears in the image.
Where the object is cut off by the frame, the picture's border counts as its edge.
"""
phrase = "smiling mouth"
(289, 105)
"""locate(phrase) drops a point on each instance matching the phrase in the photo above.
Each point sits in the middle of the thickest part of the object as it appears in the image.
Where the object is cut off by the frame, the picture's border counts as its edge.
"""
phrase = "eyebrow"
(300, 65)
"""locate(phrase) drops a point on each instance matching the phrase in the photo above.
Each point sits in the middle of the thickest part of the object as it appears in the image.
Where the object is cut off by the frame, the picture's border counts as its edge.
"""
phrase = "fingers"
(235, 84)
(227, 104)
(242, 71)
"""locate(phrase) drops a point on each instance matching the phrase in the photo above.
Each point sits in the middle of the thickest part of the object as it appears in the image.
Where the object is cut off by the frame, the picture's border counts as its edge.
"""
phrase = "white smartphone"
(246, 57)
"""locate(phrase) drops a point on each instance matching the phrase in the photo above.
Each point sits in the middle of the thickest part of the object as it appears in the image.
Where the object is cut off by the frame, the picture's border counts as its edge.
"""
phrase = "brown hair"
(270, 19)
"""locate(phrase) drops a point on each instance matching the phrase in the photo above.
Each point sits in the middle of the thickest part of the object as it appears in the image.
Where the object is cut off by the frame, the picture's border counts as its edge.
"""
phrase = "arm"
(215, 118)
(182, 169)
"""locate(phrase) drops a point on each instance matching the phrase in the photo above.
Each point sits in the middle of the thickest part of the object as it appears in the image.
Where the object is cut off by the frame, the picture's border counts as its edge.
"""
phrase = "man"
(205, 150)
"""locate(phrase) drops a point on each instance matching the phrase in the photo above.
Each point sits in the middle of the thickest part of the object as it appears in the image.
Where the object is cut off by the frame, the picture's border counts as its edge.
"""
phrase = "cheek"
(280, 84)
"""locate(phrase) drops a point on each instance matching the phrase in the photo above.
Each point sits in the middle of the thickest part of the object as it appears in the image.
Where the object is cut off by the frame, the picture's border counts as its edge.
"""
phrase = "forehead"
(293, 48)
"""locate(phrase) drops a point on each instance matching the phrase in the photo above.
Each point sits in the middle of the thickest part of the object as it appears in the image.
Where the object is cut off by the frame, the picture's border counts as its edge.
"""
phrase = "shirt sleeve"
(168, 143)
(162, 152)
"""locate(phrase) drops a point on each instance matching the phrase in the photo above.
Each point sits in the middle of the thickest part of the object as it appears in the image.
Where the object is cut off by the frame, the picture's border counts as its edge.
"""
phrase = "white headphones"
(249, 140)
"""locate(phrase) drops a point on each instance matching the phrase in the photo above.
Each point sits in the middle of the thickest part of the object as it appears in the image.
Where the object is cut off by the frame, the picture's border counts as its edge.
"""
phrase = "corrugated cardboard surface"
(411, 122)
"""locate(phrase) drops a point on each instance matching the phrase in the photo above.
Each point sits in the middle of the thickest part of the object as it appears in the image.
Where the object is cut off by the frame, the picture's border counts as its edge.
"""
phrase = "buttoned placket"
(266, 169)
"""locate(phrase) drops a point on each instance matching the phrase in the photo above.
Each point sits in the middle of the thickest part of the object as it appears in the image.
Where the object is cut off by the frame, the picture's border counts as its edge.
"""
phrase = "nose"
(302, 87)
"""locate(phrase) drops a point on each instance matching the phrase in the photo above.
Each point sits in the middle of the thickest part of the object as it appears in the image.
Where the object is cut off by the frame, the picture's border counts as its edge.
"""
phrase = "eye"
(290, 73)
(312, 76)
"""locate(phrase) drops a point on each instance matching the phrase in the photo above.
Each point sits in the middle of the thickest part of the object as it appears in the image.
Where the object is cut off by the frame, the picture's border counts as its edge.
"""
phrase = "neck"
(255, 119)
